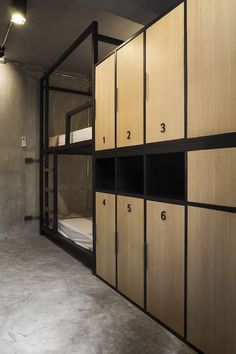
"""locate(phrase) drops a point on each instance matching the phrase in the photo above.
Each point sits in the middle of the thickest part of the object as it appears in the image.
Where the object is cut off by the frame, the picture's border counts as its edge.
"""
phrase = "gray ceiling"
(52, 25)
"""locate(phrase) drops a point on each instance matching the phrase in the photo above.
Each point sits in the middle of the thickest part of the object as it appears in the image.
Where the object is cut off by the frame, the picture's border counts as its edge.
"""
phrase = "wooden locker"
(212, 176)
(212, 281)
(165, 263)
(130, 80)
(165, 78)
(105, 104)
(130, 228)
(105, 237)
(211, 67)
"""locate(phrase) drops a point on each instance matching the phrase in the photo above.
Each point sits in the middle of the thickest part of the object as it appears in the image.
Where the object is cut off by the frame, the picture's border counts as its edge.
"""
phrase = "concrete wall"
(18, 182)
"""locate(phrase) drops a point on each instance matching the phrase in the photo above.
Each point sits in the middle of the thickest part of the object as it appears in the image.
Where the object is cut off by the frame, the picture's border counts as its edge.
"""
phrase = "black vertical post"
(94, 61)
(68, 129)
(41, 162)
(145, 170)
(55, 193)
(186, 171)
(46, 113)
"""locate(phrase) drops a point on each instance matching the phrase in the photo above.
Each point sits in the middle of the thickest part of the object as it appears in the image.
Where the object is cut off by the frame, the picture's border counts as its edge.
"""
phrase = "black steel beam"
(66, 90)
(72, 47)
(109, 40)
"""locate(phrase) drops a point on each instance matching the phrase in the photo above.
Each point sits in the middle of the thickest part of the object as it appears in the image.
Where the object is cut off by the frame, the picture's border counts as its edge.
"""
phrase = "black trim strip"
(72, 91)
(109, 40)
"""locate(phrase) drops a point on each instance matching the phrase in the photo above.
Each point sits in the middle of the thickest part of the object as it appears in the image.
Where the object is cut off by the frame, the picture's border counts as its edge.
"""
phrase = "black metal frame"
(81, 148)
(184, 145)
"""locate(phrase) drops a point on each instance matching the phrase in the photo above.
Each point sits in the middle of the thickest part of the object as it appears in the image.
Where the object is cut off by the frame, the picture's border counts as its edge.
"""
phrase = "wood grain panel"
(165, 272)
(130, 93)
(212, 176)
(211, 67)
(105, 104)
(130, 227)
(105, 237)
(212, 281)
(165, 77)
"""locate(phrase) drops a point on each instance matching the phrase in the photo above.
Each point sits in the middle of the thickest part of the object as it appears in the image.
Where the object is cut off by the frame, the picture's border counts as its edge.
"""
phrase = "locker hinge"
(116, 242)
(145, 256)
(116, 99)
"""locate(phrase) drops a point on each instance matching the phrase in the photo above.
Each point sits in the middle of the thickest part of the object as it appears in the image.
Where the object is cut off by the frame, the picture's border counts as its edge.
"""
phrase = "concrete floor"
(51, 303)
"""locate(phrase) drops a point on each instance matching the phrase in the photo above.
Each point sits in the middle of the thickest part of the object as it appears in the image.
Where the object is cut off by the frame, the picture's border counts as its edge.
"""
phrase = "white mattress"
(79, 230)
(82, 135)
(62, 139)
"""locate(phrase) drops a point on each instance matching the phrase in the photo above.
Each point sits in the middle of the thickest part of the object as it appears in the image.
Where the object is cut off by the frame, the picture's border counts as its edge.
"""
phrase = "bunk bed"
(73, 231)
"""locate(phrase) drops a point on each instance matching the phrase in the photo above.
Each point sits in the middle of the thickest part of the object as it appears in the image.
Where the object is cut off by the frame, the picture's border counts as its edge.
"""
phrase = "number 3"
(163, 127)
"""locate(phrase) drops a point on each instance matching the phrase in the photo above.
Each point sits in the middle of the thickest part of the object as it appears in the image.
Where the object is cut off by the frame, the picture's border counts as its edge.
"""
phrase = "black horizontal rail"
(79, 109)
(109, 40)
(66, 90)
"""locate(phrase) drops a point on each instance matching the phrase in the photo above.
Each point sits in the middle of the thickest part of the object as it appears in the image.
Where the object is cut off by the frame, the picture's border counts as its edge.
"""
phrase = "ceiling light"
(3, 60)
(18, 11)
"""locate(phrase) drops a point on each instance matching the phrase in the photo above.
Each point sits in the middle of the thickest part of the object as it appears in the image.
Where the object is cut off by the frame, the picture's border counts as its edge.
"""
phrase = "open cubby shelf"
(166, 175)
(105, 174)
(130, 174)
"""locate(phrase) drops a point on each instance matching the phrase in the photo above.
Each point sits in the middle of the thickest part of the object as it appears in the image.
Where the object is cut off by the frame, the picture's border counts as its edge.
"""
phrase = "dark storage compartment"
(105, 174)
(130, 174)
(166, 175)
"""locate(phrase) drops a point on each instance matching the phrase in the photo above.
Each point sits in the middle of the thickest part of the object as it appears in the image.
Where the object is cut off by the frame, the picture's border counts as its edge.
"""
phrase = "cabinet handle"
(104, 202)
(163, 127)
(104, 140)
(163, 215)
(128, 134)
(129, 208)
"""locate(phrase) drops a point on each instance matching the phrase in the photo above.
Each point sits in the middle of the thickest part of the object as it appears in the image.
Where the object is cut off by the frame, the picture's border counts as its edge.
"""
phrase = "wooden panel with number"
(165, 263)
(105, 104)
(165, 77)
(212, 280)
(130, 84)
(130, 228)
(211, 67)
(105, 237)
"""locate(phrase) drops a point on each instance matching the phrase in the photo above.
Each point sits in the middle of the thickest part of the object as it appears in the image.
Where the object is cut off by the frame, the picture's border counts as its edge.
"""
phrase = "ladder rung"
(48, 190)
(48, 169)
(48, 210)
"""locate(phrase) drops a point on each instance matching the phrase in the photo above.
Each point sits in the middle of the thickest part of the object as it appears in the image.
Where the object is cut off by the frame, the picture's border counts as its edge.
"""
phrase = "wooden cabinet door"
(211, 323)
(130, 77)
(130, 228)
(105, 104)
(165, 263)
(165, 78)
(212, 176)
(105, 237)
(211, 67)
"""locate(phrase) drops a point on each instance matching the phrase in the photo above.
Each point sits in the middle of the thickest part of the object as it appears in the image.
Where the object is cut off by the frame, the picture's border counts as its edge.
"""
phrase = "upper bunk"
(67, 124)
